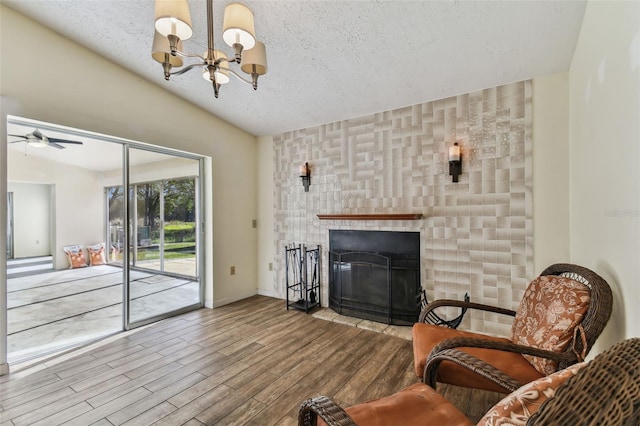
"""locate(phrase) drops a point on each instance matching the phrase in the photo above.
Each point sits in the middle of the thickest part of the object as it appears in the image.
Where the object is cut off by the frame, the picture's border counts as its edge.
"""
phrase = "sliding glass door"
(163, 234)
(121, 225)
(180, 228)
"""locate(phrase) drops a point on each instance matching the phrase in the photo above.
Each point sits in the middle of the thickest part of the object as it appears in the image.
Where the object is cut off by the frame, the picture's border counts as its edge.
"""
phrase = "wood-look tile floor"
(251, 362)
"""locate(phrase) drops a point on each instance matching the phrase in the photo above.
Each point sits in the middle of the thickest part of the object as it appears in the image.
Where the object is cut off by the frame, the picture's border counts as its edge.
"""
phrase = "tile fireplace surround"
(476, 235)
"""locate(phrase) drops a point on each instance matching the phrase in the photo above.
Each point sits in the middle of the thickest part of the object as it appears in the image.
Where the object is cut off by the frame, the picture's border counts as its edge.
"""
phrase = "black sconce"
(305, 174)
(455, 161)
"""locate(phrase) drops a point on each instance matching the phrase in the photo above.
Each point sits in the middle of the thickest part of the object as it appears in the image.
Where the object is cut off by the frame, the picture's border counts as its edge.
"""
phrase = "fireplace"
(375, 275)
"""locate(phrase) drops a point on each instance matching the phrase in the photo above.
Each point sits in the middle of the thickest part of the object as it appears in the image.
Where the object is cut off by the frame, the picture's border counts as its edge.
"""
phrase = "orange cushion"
(517, 407)
(96, 255)
(416, 405)
(75, 256)
(549, 312)
(426, 337)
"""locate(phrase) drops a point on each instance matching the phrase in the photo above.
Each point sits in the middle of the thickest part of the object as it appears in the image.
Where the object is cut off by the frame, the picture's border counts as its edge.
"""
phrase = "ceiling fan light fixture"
(37, 140)
(37, 143)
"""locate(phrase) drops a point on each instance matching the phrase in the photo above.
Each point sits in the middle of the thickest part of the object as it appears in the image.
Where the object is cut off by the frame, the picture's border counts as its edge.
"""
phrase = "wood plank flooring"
(251, 362)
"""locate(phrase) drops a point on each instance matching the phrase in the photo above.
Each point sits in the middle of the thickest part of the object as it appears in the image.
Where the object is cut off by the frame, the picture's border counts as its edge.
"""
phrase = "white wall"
(31, 219)
(83, 90)
(550, 170)
(77, 216)
(605, 157)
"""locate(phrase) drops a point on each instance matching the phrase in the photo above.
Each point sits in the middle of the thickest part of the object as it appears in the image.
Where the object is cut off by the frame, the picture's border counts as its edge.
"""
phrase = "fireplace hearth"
(375, 275)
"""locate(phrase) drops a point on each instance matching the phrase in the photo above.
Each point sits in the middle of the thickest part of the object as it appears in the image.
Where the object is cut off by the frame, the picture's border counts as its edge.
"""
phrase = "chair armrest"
(474, 364)
(326, 409)
(472, 342)
(481, 367)
(462, 304)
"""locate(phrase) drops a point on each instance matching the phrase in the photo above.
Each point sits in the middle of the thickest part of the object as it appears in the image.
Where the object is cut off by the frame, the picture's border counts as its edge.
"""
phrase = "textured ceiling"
(330, 61)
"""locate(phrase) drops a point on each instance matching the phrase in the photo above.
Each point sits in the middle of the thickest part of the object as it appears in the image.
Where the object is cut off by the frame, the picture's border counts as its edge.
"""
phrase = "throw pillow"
(75, 256)
(516, 408)
(96, 254)
(548, 313)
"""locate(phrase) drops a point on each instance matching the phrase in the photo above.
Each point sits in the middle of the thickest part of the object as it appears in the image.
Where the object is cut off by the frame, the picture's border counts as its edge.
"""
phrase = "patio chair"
(604, 391)
(561, 315)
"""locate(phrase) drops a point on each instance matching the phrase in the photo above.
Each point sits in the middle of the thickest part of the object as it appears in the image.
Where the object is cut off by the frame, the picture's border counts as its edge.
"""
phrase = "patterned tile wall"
(476, 235)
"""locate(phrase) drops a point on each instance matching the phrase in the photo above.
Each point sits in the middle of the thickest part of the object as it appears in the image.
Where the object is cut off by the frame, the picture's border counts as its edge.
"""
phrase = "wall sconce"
(305, 174)
(455, 161)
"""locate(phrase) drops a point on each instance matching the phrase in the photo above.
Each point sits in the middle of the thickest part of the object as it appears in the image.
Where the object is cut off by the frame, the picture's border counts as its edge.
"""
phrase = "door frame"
(10, 243)
(129, 229)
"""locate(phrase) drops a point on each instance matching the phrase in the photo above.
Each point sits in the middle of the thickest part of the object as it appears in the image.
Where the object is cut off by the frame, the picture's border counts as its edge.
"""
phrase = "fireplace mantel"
(376, 216)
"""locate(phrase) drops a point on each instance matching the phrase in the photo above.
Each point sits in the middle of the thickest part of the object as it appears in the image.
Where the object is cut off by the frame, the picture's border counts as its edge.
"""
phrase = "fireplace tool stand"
(302, 267)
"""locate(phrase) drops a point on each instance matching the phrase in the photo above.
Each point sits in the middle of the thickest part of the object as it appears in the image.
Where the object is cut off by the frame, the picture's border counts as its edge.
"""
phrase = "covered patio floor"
(55, 310)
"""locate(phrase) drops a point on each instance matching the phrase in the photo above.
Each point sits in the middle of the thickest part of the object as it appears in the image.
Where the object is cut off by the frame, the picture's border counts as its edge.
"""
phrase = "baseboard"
(269, 293)
(4, 369)
(227, 300)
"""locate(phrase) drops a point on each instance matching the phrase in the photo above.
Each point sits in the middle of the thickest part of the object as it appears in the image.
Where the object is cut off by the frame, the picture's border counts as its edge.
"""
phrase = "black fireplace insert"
(375, 275)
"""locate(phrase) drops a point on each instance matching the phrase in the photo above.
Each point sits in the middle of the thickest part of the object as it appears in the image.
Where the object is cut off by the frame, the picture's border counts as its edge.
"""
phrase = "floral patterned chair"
(561, 315)
(604, 391)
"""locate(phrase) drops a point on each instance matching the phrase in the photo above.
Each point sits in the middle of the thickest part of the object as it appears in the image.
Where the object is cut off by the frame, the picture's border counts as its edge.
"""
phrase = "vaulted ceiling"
(334, 60)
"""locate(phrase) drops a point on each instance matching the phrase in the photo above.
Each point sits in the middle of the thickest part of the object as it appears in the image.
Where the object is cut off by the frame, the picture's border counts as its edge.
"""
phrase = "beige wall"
(80, 89)
(266, 254)
(605, 157)
(550, 170)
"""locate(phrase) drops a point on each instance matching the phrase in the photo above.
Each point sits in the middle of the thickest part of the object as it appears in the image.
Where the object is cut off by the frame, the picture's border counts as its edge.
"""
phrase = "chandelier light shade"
(161, 52)
(173, 25)
(161, 48)
(222, 73)
(254, 62)
(173, 18)
(237, 27)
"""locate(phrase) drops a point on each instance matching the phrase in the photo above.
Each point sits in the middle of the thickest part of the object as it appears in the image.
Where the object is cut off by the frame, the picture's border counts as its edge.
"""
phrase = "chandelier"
(173, 26)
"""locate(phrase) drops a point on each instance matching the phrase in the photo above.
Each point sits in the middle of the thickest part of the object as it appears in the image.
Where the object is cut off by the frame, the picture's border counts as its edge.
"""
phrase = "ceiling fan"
(38, 140)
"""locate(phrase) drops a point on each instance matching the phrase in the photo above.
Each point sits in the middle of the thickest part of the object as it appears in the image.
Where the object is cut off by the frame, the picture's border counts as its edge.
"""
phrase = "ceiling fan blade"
(55, 145)
(18, 136)
(56, 140)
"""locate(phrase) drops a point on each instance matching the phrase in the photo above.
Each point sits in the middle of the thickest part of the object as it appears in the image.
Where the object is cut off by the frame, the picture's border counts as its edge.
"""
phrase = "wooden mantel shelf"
(379, 216)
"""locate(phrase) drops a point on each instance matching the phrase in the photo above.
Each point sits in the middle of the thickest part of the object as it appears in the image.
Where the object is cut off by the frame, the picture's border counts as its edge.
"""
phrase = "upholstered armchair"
(562, 313)
(604, 391)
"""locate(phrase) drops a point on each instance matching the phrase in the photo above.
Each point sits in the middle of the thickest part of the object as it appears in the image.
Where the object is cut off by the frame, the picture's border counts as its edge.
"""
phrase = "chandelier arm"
(190, 55)
(238, 76)
(187, 68)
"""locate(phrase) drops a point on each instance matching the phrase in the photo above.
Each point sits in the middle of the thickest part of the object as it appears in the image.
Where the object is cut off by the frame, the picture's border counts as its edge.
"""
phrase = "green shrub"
(177, 232)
